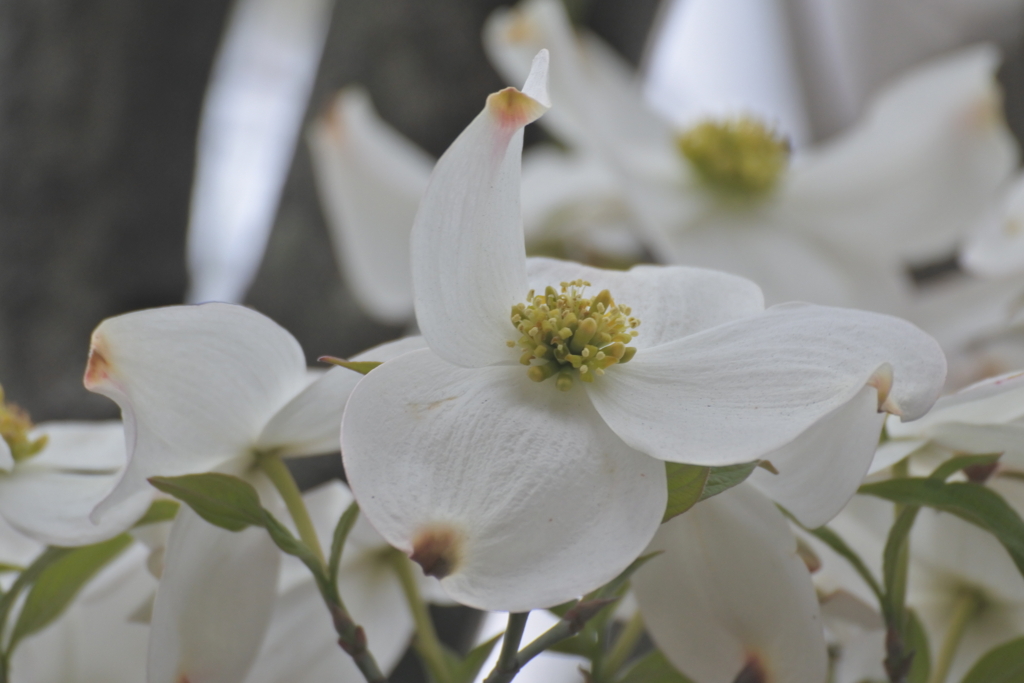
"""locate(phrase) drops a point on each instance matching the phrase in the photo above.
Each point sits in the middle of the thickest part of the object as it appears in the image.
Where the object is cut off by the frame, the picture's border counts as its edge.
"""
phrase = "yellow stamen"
(15, 426)
(739, 157)
(574, 336)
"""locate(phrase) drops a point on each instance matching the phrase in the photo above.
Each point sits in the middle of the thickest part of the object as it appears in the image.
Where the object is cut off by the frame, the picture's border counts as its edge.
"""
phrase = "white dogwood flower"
(838, 224)
(456, 450)
(49, 495)
(203, 388)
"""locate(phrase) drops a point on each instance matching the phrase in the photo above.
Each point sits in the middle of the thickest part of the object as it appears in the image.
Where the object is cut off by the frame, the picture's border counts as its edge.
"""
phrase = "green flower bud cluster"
(738, 157)
(572, 335)
(15, 426)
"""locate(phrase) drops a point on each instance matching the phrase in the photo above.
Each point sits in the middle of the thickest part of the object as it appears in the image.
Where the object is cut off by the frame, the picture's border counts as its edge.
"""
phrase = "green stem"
(427, 644)
(283, 481)
(624, 646)
(965, 607)
(510, 662)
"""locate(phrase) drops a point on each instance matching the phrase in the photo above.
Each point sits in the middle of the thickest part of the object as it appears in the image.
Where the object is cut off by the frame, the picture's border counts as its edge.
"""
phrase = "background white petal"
(213, 603)
(370, 180)
(468, 262)
(196, 385)
(671, 302)
(729, 588)
(820, 470)
(738, 391)
(542, 501)
(309, 423)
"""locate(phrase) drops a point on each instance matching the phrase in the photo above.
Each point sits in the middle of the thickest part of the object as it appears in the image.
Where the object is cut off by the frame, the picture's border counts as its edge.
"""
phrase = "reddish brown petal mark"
(514, 109)
(97, 370)
(753, 671)
(438, 549)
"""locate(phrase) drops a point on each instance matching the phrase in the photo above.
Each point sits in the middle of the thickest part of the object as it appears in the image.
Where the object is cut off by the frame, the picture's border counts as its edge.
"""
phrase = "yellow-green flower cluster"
(15, 426)
(739, 157)
(572, 335)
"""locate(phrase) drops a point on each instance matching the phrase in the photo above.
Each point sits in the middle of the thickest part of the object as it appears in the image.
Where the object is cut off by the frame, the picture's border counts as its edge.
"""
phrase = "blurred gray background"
(99, 108)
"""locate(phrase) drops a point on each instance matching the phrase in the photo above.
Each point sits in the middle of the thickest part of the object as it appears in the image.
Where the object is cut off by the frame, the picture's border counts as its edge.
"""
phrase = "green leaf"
(362, 367)
(7, 568)
(341, 531)
(724, 478)
(466, 670)
(159, 511)
(1003, 664)
(60, 582)
(917, 642)
(220, 499)
(685, 486)
(959, 462)
(834, 541)
(654, 668)
(894, 567)
(974, 503)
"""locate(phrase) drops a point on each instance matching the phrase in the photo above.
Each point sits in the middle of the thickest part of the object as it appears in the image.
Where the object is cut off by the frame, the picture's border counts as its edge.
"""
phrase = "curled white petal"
(468, 265)
(196, 385)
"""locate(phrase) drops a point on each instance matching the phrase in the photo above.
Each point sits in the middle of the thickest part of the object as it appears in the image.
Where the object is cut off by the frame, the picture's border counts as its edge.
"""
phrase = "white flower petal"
(916, 173)
(196, 385)
(468, 266)
(820, 470)
(213, 604)
(735, 392)
(50, 496)
(309, 423)
(997, 247)
(533, 498)
(6, 459)
(391, 349)
(370, 181)
(53, 506)
(891, 452)
(671, 302)
(729, 589)
(593, 91)
(990, 401)
(81, 446)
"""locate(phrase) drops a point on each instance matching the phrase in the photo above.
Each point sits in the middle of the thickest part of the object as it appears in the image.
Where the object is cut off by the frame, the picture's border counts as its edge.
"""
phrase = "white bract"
(839, 224)
(370, 179)
(201, 388)
(49, 495)
(987, 417)
(730, 594)
(997, 247)
(522, 487)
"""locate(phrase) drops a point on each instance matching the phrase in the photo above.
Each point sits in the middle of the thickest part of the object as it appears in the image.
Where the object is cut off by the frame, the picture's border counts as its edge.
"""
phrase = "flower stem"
(285, 484)
(427, 644)
(624, 646)
(509, 662)
(965, 607)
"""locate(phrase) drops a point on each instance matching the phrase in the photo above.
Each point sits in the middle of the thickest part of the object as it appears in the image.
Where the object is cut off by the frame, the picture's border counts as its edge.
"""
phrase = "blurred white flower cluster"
(675, 376)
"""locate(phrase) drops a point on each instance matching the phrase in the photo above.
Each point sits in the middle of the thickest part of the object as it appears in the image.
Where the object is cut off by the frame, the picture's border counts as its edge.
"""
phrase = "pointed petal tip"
(97, 370)
(882, 381)
(515, 108)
